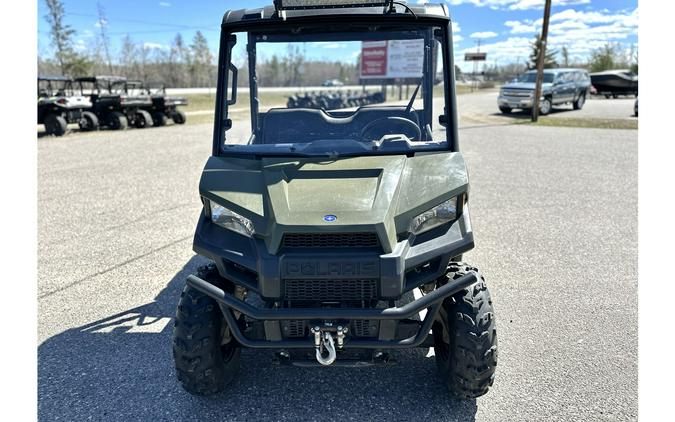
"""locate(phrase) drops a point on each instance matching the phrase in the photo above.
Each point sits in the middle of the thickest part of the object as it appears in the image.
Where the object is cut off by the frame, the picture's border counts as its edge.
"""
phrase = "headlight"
(439, 215)
(230, 220)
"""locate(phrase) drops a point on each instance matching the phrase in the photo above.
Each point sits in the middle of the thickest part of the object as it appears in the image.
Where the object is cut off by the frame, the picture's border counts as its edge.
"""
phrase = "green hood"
(366, 194)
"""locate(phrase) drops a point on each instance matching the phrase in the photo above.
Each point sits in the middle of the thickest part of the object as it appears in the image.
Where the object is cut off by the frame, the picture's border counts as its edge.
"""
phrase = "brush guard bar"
(431, 302)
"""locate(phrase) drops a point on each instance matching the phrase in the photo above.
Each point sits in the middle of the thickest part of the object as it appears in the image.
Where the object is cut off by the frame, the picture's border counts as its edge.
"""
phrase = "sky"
(505, 28)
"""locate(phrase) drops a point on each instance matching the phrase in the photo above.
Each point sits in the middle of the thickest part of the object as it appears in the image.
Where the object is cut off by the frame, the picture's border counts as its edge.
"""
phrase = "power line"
(170, 25)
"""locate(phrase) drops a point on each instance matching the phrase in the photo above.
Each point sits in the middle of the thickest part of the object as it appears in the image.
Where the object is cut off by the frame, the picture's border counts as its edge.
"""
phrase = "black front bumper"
(431, 302)
(412, 263)
(247, 261)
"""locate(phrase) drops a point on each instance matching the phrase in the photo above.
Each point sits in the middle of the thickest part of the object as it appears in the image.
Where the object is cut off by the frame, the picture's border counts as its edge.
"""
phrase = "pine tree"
(202, 59)
(565, 56)
(549, 57)
(61, 34)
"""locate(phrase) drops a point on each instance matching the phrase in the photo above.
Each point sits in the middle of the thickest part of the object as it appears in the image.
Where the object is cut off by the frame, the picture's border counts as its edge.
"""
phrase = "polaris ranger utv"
(58, 106)
(164, 107)
(336, 237)
(113, 104)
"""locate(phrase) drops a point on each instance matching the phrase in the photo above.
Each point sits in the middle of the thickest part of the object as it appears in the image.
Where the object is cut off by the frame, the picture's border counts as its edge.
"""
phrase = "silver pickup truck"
(561, 86)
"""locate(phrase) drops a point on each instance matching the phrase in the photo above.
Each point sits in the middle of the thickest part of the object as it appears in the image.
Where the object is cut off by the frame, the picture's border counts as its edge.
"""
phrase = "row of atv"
(334, 100)
(112, 102)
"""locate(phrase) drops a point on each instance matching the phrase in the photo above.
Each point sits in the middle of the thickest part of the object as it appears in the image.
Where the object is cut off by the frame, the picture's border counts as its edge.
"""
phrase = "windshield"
(54, 87)
(335, 93)
(531, 77)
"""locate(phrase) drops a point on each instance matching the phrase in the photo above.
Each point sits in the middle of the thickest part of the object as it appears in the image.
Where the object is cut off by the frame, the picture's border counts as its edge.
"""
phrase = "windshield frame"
(227, 40)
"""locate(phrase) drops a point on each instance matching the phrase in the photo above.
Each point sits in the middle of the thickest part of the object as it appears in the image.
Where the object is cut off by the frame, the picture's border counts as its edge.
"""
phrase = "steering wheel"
(386, 126)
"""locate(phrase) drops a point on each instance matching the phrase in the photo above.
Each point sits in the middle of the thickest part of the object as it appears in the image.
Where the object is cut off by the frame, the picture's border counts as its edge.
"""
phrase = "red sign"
(374, 59)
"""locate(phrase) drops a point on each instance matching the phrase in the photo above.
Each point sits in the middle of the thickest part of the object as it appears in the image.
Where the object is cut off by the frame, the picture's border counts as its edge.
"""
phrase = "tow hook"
(324, 344)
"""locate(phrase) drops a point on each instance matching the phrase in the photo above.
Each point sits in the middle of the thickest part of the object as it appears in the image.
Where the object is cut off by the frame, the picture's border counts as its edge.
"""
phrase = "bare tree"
(128, 55)
(105, 42)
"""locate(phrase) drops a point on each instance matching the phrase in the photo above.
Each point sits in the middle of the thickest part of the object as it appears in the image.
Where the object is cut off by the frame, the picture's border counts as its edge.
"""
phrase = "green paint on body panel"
(368, 193)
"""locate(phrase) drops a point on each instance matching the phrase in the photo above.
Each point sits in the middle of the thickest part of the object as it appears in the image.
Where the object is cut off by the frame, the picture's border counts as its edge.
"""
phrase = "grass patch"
(200, 119)
(587, 122)
(201, 102)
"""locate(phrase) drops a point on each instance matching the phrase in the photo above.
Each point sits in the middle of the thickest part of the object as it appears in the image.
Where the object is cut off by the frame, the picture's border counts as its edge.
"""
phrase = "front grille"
(330, 240)
(297, 328)
(330, 290)
(517, 93)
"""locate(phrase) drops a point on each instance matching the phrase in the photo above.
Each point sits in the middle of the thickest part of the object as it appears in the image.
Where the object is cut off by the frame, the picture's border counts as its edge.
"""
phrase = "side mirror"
(442, 120)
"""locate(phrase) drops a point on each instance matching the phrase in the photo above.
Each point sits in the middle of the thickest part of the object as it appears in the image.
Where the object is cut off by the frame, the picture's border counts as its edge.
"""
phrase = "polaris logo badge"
(346, 268)
(329, 218)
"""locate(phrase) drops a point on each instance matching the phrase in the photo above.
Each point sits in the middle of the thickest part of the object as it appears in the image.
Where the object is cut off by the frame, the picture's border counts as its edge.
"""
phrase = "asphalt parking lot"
(481, 108)
(555, 217)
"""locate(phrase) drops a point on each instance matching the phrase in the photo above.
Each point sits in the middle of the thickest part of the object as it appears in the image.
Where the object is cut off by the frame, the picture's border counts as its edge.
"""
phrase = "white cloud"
(331, 45)
(165, 4)
(483, 35)
(457, 38)
(511, 50)
(100, 23)
(580, 31)
(518, 27)
(80, 45)
(155, 46)
(539, 4)
(455, 27)
(516, 4)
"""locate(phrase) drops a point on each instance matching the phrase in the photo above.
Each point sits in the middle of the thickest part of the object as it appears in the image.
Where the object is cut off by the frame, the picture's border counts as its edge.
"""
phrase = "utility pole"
(474, 83)
(540, 61)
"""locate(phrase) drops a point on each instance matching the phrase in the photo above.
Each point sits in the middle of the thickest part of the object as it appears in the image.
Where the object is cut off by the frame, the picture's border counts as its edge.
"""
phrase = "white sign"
(392, 59)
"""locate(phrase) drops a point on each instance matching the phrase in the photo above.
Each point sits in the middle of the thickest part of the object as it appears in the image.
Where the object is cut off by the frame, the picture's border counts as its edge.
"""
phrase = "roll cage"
(274, 25)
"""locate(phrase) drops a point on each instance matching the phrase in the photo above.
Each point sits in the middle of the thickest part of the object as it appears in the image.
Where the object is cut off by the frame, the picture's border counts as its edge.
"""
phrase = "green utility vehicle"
(336, 237)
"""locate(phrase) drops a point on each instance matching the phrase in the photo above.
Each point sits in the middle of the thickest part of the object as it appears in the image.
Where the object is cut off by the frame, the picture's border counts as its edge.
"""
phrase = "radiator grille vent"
(330, 290)
(330, 240)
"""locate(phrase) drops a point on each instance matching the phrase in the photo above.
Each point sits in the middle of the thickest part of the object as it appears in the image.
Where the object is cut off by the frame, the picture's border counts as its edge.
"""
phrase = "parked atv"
(116, 105)
(321, 225)
(165, 107)
(58, 106)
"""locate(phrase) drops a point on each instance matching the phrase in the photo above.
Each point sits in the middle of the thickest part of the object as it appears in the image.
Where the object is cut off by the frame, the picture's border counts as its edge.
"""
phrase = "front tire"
(160, 119)
(579, 103)
(55, 125)
(117, 121)
(179, 117)
(545, 106)
(88, 122)
(465, 337)
(205, 354)
(505, 110)
(143, 119)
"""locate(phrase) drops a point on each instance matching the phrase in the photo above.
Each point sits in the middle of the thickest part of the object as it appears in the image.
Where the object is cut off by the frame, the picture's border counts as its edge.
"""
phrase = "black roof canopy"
(337, 12)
